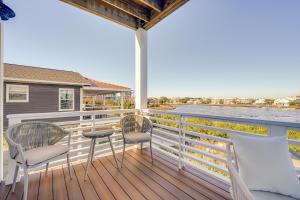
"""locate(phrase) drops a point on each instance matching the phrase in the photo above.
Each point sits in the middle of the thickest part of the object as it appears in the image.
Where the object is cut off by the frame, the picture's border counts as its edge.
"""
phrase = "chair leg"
(69, 165)
(89, 159)
(47, 166)
(151, 151)
(141, 147)
(123, 153)
(25, 183)
(15, 178)
(113, 151)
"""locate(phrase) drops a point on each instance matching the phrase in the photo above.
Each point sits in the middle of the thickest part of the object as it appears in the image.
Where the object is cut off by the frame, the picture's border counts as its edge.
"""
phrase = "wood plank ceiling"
(130, 13)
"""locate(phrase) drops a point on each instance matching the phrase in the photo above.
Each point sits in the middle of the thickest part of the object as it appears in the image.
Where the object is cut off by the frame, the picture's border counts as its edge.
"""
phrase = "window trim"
(59, 103)
(17, 101)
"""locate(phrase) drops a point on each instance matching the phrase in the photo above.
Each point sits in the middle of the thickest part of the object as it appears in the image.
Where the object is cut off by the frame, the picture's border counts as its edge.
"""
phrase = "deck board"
(59, 184)
(164, 193)
(141, 186)
(187, 180)
(111, 183)
(87, 188)
(73, 189)
(128, 187)
(46, 186)
(33, 186)
(137, 179)
(157, 177)
(176, 181)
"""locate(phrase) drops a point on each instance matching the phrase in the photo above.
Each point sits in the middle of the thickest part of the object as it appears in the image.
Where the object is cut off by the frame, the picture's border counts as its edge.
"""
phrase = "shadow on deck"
(138, 180)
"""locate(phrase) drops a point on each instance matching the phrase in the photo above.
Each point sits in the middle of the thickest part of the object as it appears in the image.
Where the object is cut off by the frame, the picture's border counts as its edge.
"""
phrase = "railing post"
(11, 165)
(277, 131)
(183, 140)
(180, 164)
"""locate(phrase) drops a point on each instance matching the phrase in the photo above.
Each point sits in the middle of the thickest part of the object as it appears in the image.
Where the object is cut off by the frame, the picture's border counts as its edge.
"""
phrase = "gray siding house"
(37, 90)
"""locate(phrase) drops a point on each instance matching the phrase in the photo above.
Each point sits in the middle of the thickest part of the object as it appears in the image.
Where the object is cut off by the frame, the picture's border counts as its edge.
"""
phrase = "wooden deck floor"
(137, 180)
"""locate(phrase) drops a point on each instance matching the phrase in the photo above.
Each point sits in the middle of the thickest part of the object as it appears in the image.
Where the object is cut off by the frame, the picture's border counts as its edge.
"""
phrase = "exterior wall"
(42, 98)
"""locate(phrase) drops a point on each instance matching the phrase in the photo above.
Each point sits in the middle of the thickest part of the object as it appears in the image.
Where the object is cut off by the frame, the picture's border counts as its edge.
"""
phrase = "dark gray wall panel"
(42, 98)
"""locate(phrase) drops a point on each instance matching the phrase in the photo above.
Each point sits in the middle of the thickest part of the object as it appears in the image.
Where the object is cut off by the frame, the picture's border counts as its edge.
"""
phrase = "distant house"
(36, 90)
(283, 102)
(229, 101)
(244, 100)
(260, 101)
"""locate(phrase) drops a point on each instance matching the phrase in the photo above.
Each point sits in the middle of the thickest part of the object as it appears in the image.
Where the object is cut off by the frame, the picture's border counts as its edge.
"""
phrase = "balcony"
(189, 162)
(138, 179)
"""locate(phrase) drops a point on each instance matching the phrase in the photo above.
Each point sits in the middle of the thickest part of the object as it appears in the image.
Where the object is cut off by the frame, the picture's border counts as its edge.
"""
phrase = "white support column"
(141, 69)
(1, 98)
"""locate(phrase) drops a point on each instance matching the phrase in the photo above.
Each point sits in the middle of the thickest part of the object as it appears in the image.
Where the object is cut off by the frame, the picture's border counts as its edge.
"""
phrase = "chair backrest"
(135, 123)
(31, 135)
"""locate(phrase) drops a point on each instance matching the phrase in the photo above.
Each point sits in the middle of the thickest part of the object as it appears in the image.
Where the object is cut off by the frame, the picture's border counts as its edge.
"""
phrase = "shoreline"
(174, 106)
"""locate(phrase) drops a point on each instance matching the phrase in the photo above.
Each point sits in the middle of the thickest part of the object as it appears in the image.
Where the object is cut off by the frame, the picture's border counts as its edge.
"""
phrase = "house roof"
(102, 85)
(21, 73)
(29, 74)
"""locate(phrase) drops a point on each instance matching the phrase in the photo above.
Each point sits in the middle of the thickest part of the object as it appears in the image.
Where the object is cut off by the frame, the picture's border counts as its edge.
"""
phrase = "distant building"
(283, 102)
(244, 100)
(229, 101)
(298, 97)
(260, 101)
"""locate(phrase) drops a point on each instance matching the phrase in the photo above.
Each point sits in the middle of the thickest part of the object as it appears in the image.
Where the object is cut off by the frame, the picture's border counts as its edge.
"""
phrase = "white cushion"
(132, 138)
(265, 164)
(260, 195)
(41, 154)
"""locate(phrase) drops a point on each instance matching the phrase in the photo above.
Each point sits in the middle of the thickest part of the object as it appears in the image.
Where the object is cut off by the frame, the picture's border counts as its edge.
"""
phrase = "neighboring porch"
(138, 179)
(103, 96)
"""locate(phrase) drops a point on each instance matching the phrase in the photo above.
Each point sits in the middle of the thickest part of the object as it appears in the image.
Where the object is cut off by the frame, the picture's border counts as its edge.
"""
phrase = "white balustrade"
(174, 136)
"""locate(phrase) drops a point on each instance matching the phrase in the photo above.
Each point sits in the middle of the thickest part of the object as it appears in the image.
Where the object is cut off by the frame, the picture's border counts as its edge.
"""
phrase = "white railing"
(181, 136)
(199, 141)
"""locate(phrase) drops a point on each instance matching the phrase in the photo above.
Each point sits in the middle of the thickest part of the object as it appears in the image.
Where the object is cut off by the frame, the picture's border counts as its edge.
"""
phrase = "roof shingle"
(36, 74)
(99, 84)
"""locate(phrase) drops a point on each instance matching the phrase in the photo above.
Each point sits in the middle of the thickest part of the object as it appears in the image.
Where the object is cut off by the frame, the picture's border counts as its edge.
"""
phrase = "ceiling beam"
(169, 7)
(102, 9)
(154, 4)
(130, 8)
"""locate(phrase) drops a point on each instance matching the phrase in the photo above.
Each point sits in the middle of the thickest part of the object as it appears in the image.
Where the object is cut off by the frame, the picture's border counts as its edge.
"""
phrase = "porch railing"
(193, 140)
(199, 141)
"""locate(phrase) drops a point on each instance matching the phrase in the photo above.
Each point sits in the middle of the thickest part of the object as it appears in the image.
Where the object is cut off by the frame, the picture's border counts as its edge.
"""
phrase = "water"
(283, 115)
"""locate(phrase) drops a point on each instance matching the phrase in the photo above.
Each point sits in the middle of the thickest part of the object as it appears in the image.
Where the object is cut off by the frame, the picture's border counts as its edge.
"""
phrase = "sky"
(207, 48)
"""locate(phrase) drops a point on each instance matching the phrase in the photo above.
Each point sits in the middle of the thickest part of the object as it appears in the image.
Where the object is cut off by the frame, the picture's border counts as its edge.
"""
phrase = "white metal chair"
(239, 190)
(32, 144)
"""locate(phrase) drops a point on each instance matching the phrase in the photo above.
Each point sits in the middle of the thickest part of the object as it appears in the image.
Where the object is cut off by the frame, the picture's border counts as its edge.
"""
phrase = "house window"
(17, 93)
(66, 99)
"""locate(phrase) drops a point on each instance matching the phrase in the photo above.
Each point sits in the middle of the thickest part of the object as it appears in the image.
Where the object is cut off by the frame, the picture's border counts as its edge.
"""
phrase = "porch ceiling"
(133, 14)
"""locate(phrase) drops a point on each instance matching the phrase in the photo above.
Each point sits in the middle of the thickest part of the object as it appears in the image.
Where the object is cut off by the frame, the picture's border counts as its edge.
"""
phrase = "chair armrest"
(239, 190)
(21, 154)
(295, 154)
